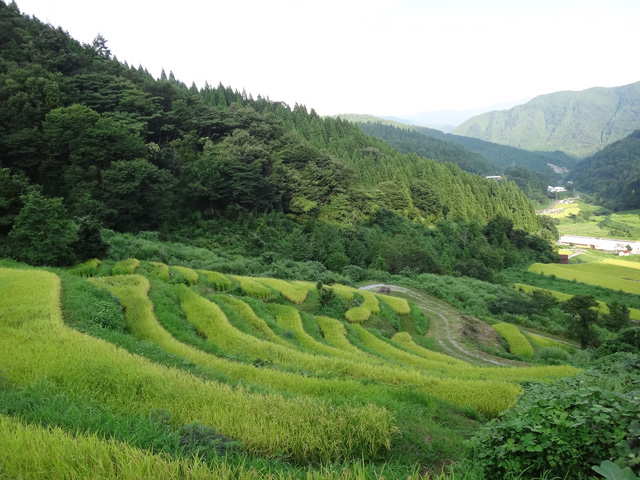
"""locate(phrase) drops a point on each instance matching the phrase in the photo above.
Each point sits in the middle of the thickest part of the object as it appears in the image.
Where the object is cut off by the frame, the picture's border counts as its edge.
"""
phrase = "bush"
(563, 428)
(627, 340)
(553, 354)
(355, 272)
(42, 233)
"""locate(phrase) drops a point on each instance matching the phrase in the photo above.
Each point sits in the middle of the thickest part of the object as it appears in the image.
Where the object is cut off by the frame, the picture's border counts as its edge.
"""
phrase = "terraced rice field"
(219, 370)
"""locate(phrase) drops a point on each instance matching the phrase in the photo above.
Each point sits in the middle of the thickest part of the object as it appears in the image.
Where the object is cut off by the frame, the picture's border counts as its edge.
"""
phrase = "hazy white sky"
(381, 57)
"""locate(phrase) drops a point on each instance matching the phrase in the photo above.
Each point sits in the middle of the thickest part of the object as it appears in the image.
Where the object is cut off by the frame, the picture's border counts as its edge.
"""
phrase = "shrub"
(563, 428)
(553, 354)
(627, 340)
(355, 272)
(42, 233)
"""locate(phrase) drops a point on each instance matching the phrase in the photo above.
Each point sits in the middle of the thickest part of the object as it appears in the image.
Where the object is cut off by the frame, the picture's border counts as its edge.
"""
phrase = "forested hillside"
(532, 171)
(421, 141)
(577, 123)
(88, 142)
(613, 174)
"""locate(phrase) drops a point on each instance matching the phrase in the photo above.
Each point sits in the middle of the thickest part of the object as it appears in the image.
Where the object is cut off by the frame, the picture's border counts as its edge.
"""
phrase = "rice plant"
(335, 333)
(294, 293)
(397, 304)
(190, 275)
(518, 343)
(34, 343)
(160, 270)
(249, 316)
(405, 340)
(252, 288)
(126, 267)
(370, 301)
(218, 280)
(289, 318)
(344, 291)
(357, 314)
(544, 342)
(86, 269)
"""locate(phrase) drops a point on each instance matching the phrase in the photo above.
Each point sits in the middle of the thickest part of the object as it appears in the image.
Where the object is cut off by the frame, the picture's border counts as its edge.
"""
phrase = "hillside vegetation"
(577, 123)
(612, 175)
(123, 150)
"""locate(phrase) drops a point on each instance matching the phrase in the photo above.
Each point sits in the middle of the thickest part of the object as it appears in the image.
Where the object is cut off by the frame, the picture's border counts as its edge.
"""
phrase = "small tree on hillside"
(42, 233)
(582, 311)
(618, 316)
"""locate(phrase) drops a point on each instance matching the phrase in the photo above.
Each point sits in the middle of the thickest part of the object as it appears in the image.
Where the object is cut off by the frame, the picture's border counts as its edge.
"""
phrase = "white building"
(609, 244)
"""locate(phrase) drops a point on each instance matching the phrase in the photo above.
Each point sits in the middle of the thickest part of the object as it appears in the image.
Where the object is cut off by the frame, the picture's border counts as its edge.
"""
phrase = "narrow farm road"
(445, 327)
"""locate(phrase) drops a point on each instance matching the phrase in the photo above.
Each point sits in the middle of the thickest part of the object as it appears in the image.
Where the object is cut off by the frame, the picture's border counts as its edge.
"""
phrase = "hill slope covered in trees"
(93, 130)
(613, 174)
(122, 150)
(577, 123)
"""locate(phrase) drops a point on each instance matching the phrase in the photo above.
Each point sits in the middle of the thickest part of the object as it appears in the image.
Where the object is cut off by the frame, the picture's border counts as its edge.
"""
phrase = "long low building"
(609, 244)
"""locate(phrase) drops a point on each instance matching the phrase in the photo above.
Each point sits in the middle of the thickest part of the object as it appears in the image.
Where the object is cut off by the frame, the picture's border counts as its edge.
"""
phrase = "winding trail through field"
(445, 327)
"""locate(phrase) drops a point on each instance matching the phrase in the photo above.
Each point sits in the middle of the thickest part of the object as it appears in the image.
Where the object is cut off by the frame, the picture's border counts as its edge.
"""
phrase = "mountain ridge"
(578, 123)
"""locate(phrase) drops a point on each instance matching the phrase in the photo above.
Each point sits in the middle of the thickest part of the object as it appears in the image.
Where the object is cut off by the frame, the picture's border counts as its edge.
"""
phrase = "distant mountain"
(577, 123)
(613, 174)
(446, 120)
(361, 118)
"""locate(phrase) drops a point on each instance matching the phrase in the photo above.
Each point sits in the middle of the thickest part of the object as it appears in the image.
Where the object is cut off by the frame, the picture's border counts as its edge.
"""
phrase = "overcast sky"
(380, 57)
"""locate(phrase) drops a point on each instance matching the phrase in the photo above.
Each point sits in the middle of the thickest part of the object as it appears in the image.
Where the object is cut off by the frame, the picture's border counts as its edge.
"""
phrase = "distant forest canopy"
(530, 170)
(88, 142)
(577, 123)
(613, 174)
(409, 138)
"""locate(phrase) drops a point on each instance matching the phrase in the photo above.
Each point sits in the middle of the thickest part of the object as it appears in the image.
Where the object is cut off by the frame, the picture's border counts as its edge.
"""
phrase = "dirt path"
(445, 327)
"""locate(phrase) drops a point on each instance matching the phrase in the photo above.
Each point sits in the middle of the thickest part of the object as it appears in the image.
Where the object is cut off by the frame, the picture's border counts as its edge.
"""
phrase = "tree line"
(106, 145)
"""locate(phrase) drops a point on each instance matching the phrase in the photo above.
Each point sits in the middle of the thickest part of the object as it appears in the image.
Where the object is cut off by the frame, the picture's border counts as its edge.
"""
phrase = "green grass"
(594, 273)
(86, 269)
(563, 297)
